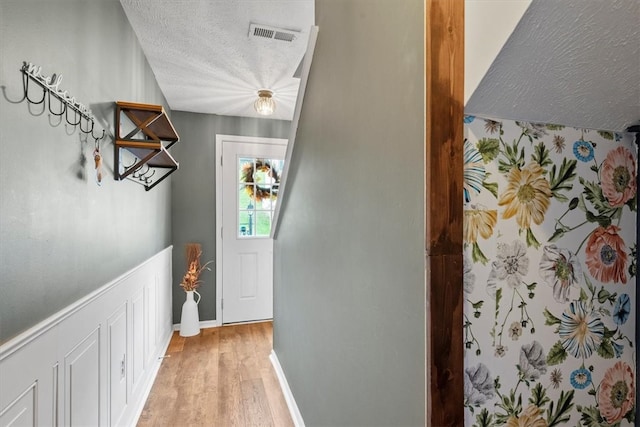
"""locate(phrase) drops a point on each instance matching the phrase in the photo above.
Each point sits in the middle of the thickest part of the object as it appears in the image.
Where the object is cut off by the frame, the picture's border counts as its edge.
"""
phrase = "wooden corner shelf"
(145, 132)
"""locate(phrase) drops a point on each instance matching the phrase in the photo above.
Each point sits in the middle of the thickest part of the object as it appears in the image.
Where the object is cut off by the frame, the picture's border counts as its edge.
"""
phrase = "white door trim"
(220, 139)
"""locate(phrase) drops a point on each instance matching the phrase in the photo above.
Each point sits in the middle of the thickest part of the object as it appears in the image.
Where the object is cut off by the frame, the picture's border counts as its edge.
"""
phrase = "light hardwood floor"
(222, 377)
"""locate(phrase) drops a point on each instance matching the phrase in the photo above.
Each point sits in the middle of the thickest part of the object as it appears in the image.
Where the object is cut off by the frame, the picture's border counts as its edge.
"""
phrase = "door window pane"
(246, 223)
(244, 199)
(263, 223)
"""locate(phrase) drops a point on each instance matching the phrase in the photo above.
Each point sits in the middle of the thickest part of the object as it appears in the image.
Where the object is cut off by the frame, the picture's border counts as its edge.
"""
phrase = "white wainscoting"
(93, 363)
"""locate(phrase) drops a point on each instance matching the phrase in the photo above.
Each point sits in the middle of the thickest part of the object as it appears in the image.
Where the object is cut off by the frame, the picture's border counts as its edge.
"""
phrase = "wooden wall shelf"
(145, 132)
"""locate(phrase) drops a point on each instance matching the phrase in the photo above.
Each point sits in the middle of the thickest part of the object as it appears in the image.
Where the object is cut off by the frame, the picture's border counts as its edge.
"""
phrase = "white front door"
(250, 173)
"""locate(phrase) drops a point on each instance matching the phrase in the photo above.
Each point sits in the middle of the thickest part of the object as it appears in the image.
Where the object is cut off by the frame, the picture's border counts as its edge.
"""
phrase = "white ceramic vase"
(190, 320)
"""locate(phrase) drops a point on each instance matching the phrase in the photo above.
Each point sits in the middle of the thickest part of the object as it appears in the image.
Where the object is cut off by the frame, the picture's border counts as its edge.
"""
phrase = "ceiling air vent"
(266, 32)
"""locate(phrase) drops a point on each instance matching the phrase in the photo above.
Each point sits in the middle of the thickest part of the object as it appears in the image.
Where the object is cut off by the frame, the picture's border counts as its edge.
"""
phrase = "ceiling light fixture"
(265, 105)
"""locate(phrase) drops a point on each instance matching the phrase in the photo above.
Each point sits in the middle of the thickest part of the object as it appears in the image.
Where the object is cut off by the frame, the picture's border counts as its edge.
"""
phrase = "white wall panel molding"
(117, 363)
(23, 410)
(150, 321)
(55, 392)
(94, 362)
(137, 342)
(82, 382)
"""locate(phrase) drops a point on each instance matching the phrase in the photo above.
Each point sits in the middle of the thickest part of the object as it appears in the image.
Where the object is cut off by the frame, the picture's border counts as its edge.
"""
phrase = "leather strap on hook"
(97, 158)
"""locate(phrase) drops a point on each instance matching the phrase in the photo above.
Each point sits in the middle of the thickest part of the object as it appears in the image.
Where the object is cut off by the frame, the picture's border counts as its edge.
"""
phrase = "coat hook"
(144, 175)
(141, 174)
(88, 121)
(130, 166)
(25, 84)
(138, 172)
(147, 179)
(66, 116)
(63, 107)
(97, 138)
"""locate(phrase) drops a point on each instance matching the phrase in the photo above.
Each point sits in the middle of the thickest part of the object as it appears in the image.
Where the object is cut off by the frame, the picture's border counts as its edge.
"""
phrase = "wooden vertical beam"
(444, 85)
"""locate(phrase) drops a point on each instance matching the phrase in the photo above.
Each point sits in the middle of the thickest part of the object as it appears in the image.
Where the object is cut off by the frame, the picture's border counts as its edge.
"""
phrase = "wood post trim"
(444, 141)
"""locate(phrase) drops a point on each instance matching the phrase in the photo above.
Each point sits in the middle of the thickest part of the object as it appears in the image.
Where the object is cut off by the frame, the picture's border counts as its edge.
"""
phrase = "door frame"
(220, 140)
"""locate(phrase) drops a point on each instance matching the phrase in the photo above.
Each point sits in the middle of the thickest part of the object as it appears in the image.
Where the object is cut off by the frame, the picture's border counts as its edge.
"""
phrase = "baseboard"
(152, 379)
(296, 416)
(205, 324)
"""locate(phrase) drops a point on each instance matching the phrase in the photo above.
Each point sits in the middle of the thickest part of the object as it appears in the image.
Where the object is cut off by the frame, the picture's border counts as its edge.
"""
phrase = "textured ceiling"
(571, 62)
(204, 60)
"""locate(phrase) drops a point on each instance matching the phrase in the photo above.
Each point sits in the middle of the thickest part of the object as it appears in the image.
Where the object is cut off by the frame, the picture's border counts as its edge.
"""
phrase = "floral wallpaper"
(550, 275)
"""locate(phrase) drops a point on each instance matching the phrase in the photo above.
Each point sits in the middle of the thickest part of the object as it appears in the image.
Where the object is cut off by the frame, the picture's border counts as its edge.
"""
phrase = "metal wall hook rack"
(51, 88)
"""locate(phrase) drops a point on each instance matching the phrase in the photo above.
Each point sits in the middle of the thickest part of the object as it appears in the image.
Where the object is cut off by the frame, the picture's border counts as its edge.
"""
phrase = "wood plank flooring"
(222, 377)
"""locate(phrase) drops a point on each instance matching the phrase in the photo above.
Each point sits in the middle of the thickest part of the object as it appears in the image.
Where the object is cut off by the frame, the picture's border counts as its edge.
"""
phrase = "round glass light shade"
(265, 105)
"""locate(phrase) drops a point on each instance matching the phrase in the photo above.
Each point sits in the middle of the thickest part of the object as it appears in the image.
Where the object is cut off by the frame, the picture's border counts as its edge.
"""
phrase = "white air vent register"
(267, 32)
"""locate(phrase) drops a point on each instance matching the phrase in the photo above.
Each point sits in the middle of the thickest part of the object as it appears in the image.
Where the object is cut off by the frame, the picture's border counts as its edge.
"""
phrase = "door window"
(258, 185)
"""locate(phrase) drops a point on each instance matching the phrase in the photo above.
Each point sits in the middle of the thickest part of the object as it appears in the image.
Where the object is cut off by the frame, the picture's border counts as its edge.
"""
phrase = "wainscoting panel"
(55, 392)
(93, 363)
(27, 383)
(137, 348)
(82, 382)
(165, 304)
(22, 411)
(117, 364)
(150, 321)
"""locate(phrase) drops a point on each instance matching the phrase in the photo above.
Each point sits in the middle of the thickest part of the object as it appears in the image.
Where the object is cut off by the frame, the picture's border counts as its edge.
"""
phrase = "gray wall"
(349, 255)
(193, 203)
(61, 235)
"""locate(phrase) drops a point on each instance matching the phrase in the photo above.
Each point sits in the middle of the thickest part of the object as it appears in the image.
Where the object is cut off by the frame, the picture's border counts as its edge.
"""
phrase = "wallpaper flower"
(527, 195)
(561, 270)
(617, 392)
(606, 257)
(549, 275)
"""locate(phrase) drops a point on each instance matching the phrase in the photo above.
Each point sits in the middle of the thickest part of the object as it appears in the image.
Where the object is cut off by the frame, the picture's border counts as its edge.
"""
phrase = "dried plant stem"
(193, 252)
(190, 280)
